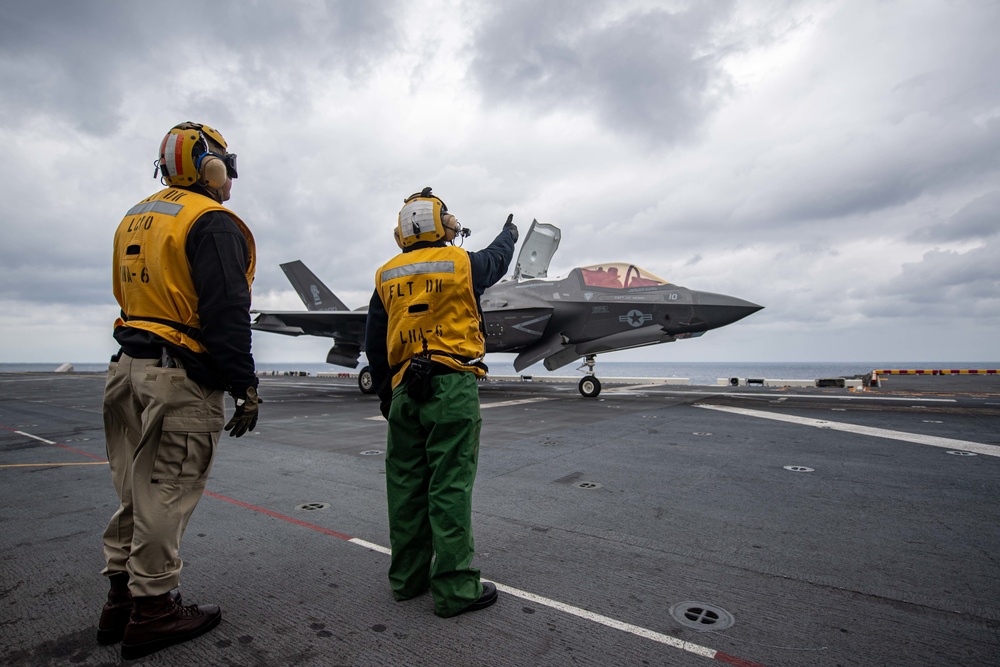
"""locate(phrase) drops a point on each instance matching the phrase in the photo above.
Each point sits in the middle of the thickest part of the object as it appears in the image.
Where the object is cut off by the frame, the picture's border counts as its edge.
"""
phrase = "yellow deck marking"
(50, 465)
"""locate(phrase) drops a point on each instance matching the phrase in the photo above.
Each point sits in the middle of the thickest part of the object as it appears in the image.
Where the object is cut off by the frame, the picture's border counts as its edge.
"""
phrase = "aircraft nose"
(718, 310)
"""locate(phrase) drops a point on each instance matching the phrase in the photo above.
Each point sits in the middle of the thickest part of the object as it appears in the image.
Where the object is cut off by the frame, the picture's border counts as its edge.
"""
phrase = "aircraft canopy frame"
(619, 275)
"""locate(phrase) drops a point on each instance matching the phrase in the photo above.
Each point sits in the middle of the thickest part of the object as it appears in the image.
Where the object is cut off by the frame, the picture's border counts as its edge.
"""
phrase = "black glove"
(245, 417)
(511, 227)
(384, 406)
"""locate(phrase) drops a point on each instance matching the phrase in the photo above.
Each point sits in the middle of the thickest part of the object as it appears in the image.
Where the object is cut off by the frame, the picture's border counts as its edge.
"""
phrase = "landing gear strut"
(590, 386)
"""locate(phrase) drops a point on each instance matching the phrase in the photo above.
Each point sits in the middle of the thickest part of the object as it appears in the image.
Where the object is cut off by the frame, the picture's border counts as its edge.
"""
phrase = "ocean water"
(698, 373)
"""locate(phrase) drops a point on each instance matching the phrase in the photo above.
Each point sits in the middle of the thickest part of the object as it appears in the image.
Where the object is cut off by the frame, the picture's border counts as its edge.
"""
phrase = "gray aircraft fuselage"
(561, 320)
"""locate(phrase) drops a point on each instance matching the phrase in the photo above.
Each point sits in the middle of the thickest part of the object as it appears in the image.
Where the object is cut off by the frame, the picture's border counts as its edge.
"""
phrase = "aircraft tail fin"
(311, 289)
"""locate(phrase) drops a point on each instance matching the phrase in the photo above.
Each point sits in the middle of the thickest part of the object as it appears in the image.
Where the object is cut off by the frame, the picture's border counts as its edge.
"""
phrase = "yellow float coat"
(429, 297)
(152, 275)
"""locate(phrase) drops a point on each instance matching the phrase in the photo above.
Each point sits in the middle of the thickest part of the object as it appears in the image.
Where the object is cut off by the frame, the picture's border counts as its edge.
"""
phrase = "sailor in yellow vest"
(424, 343)
(182, 269)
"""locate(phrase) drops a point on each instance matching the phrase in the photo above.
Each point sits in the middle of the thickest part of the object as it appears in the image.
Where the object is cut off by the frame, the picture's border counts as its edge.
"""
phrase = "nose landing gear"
(589, 386)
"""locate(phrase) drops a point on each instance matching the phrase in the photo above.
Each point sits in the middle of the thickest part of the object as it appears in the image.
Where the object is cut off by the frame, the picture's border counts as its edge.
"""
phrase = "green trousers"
(430, 467)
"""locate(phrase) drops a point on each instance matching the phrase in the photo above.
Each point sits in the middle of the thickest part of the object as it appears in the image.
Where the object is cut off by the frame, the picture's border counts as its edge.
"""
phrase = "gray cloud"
(944, 285)
(654, 73)
(979, 219)
(79, 62)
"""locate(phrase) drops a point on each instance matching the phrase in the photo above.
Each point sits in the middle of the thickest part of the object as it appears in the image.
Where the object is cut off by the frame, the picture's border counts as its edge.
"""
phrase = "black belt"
(183, 328)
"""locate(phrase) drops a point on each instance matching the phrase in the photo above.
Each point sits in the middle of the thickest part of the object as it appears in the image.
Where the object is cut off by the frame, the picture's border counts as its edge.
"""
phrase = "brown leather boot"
(158, 622)
(118, 609)
(116, 612)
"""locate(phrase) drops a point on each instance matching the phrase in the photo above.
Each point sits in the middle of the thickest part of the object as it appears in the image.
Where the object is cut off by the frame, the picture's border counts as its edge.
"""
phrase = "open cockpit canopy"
(619, 275)
(539, 244)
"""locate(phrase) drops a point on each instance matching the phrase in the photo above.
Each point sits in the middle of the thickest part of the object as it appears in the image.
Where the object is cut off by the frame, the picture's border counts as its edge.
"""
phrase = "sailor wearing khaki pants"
(182, 269)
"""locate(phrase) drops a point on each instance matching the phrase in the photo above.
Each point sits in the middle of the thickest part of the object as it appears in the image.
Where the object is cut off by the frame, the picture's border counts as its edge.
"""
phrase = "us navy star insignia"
(635, 318)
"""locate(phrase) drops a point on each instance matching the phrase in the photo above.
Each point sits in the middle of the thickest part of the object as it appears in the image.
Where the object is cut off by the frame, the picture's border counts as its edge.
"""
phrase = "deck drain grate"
(701, 616)
(799, 469)
(961, 453)
(587, 485)
(372, 452)
(312, 507)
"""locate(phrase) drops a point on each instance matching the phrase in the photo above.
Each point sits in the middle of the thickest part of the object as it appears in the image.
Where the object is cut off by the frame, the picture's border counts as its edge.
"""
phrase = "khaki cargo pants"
(162, 430)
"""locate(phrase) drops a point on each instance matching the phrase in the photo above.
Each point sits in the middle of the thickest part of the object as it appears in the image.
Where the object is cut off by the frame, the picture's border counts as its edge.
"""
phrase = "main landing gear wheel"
(365, 382)
(590, 386)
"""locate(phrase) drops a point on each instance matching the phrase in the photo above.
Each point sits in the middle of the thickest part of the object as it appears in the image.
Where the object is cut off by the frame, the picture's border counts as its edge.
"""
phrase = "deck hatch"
(701, 616)
(312, 507)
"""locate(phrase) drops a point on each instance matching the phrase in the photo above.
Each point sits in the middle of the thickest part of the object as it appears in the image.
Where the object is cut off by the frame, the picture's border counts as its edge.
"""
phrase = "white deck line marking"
(847, 397)
(932, 440)
(579, 613)
(634, 387)
(609, 622)
(35, 437)
(520, 401)
(484, 406)
(371, 546)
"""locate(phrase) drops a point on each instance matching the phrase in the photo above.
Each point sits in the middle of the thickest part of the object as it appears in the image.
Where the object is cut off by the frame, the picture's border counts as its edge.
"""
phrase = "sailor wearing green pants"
(424, 344)
(431, 458)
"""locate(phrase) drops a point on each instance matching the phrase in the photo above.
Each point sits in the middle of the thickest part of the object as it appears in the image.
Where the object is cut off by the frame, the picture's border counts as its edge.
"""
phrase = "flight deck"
(653, 525)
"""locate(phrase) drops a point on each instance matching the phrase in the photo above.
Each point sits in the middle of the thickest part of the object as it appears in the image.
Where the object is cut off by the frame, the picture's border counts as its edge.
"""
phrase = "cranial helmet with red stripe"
(183, 154)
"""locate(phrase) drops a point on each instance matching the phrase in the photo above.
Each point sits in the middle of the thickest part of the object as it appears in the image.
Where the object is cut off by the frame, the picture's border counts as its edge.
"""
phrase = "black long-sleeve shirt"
(218, 255)
(488, 266)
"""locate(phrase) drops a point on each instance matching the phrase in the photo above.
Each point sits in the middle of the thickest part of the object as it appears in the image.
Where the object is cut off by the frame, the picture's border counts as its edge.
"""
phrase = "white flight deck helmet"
(425, 217)
(193, 153)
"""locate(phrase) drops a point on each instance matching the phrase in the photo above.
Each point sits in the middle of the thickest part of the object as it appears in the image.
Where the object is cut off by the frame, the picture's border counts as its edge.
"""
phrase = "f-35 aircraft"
(594, 309)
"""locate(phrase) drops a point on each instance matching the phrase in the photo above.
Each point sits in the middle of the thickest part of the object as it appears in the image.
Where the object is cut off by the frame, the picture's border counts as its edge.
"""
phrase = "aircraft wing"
(345, 327)
(338, 324)
(327, 317)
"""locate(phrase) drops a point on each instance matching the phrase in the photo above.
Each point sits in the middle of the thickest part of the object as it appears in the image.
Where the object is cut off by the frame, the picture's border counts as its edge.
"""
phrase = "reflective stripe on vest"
(151, 273)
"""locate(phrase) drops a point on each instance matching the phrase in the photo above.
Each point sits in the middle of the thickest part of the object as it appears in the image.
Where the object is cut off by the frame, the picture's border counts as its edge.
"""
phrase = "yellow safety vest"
(428, 296)
(152, 275)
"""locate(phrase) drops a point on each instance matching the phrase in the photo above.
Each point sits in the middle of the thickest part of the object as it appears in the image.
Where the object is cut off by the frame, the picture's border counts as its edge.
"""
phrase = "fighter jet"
(592, 310)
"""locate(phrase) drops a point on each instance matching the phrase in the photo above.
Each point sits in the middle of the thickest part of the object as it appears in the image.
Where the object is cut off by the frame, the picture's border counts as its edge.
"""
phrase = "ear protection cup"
(213, 172)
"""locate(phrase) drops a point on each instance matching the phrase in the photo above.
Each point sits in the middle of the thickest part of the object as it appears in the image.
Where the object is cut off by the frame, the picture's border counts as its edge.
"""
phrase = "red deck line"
(277, 515)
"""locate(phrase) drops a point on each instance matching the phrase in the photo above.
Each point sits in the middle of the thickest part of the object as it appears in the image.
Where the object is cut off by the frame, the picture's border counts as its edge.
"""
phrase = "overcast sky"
(836, 162)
